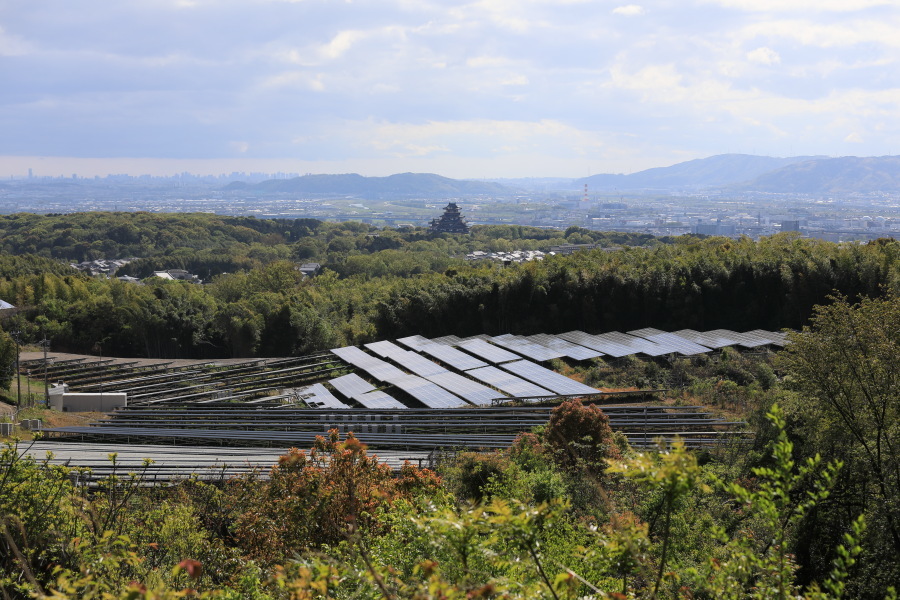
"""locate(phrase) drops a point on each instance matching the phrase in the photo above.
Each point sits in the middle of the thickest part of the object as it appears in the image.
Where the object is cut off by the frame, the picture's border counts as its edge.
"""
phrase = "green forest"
(809, 509)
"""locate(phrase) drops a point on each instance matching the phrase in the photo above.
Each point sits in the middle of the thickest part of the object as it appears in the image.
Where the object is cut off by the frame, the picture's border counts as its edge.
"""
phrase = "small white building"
(97, 402)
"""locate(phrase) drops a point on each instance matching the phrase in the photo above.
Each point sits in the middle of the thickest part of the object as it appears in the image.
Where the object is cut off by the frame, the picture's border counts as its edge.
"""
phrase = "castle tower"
(450, 222)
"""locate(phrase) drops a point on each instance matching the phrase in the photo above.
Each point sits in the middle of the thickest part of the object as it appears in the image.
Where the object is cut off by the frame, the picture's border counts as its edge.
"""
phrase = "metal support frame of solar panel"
(385, 348)
(681, 345)
(573, 351)
(487, 351)
(209, 381)
(247, 387)
(468, 389)
(742, 339)
(596, 343)
(525, 348)
(455, 358)
(428, 393)
(509, 383)
(551, 380)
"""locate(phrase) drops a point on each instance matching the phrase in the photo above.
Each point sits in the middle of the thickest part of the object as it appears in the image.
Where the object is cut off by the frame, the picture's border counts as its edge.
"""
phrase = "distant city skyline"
(468, 90)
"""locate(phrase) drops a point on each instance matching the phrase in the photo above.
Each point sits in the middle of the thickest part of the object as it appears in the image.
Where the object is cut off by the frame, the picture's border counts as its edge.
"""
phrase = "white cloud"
(764, 56)
(514, 80)
(826, 35)
(629, 10)
(854, 138)
(341, 43)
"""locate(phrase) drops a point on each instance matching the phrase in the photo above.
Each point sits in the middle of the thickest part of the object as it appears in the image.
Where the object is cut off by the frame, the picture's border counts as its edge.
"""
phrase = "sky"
(482, 89)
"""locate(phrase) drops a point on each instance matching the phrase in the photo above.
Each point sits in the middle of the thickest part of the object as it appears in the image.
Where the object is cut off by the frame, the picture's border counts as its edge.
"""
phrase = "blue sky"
(491, 88)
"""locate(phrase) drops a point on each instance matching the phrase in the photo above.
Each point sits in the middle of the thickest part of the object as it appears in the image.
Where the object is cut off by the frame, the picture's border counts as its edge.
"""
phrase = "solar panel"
(549, 379)
(465, 387)
(775, 338)
(385, 348)
(453, 357)
(415, 341)
(351, 385)
(741, 339)
(593, 342)
(569, 349)
(418, 364)
(646, 331)
(679, 344)
(488, 352)
(447, 340)
(428, 393)
(705, 339)
(379, 399)
(525, 348)
(509, 383)
(375, 367)
(316, 396)
(636, 344)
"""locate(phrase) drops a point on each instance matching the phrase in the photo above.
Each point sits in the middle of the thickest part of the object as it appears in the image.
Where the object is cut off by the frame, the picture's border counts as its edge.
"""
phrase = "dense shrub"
(579, 437)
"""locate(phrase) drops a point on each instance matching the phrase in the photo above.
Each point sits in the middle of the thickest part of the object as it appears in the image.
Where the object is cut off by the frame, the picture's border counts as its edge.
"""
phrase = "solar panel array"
(521, 378)
(488, 352)
(551, 380)
(465, 387)
(776, 338)
(707, 339)
(741, 339)
(453, 357)
(527, 349)
(428, 393)
(569, 349)
(509, 383)
(375, 367)
(596, 343)
(418, 364)
(670, 340)
(385, 348)
(415, 341)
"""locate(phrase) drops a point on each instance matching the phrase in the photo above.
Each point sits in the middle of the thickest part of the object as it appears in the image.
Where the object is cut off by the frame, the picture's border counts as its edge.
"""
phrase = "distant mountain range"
(746, 173)
(814, 175)
(404, 184)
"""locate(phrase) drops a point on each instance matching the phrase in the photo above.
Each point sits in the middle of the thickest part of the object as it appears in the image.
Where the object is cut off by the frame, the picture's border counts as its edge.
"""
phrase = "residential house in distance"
(310, 269)
(177, 275)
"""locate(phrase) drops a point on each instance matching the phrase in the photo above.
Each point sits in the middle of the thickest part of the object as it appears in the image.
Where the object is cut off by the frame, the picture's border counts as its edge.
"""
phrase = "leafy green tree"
(845, 368)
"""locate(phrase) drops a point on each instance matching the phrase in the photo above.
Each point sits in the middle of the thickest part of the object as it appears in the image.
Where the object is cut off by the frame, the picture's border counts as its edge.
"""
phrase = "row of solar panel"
(432, 384)
(579, 345)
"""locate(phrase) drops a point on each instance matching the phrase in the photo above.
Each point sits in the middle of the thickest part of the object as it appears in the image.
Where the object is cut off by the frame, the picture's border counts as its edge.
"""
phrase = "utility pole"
(18, 376)
(46, 344)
